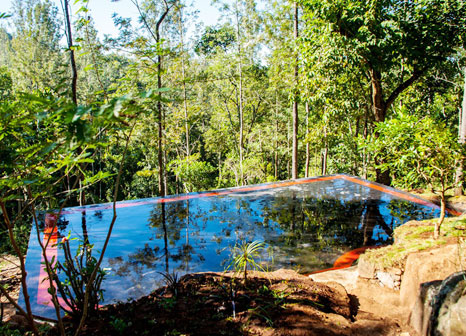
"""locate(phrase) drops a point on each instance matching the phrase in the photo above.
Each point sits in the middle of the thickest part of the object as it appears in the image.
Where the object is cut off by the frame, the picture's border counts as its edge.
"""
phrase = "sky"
(102, 11)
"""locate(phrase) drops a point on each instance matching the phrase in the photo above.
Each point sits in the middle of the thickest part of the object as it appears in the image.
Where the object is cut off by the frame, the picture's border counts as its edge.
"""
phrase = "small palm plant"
(247, 256)
(172, 281)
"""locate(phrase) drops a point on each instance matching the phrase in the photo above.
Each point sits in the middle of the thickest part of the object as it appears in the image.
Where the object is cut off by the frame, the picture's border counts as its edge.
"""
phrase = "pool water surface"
(306, 225)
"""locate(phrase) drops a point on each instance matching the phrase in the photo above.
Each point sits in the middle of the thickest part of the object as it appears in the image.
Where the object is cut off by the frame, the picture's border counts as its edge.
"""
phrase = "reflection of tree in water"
(172, 228)
(403, 211)
(304, 223)
(315, 221)
(326, 222)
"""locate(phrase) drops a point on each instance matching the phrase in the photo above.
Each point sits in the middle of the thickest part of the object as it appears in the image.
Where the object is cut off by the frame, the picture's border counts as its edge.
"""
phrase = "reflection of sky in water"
(307, 226)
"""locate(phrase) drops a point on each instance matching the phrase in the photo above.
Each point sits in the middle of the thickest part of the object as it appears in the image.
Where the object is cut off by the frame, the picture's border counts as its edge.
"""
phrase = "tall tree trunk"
(365, 154)
(74, 81)
(185, 99)
(306, 173)
(462, 140)
(325, 153)
(380, 111)
(276, 137)
(289, 147)
(74, 78)
(381, 106)
(219, 169)
(162, 187)
(295, 100)
(160, 127)
(240, 96)
(156, 37)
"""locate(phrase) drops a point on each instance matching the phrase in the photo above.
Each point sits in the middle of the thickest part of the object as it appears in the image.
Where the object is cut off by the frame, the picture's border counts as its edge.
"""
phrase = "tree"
(393, 43)
(461, 139)
(154, 27)
(215, 39)
(295, 112)
(35, 59)
(419, 149)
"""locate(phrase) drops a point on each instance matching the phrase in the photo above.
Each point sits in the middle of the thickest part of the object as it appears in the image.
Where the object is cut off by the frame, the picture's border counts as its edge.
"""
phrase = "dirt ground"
(9, 278)
(372, 298)
(277, 303)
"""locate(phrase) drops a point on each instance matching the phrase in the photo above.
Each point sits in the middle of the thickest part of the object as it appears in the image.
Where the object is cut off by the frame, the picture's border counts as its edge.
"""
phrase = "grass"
(414, 237)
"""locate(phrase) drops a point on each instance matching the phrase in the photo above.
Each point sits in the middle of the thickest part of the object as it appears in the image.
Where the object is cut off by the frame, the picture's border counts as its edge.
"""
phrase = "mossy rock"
(415, 236)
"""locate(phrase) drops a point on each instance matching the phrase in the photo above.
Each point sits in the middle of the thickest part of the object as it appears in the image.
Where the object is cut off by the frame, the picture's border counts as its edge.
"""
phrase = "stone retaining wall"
(390, 278)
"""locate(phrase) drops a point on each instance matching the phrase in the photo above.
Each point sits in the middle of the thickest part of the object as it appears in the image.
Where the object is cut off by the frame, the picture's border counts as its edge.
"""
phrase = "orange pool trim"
(391, 191)
(372, 185)
(43, 295)
(347, 259)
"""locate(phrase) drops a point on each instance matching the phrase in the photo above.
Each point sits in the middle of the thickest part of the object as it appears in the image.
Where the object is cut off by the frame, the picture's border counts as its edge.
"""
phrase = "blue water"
(305, 227)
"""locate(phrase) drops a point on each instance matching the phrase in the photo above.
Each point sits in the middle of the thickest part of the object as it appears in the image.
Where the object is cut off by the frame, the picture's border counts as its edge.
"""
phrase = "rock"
(448, 316)
(366, 269)
(420, 314)
(388, 279)
(345, 276)
(443, 261)
(458, 317)
(396, 271)
(340, 302)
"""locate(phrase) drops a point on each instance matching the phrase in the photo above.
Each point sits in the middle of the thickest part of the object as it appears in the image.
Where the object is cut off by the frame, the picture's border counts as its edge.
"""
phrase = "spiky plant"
(247, 256)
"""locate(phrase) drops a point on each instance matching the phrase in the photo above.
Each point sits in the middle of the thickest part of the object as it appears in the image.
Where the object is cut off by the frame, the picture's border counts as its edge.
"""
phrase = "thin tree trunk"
(294, 157)
(443, 207)
(306, 173)
(162, 187)
(276, 137)
(325, 153)
(185, 99)
(74, 82)
(156, 37)
(74, 72)
(365, 154)
(160, 127)
(289, 146)
(240, 100)
(459, 182)
(219, 168)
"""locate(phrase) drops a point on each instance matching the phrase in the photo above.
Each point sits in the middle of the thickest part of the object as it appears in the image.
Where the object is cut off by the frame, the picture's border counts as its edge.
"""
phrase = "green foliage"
(380, 33)
(77, 271)
(120, 325)
(214, 39)
(417, 150)
(35, 60)
(6, 84)
(4, 15)
(7, 331)
(195, 174)
(20, 233)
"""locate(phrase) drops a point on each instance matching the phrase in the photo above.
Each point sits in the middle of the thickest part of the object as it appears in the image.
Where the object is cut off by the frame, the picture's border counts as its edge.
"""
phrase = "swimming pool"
(307, 224)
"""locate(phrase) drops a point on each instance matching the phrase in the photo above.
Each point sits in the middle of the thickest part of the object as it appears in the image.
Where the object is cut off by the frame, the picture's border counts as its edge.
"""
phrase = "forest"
(277, 90)
(292, 90)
